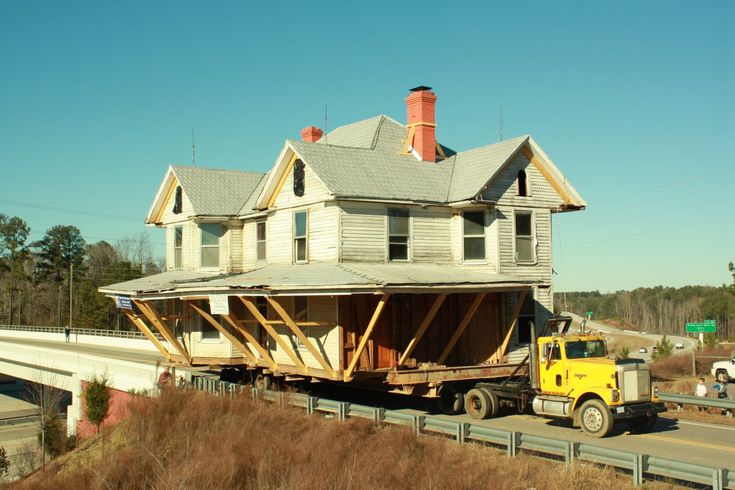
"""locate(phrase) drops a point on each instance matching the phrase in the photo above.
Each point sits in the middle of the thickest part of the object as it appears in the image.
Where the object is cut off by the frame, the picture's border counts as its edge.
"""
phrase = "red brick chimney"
(421, 122)
(312, 134)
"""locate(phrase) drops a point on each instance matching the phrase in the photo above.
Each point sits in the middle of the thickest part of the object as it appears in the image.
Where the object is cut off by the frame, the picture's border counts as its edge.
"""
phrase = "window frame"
(526, 184)
(178, 249)
(205, 325)
(202, 246)
(532, 237)
(389, 235)
(304, 237)
(259, 241)
(483, 260)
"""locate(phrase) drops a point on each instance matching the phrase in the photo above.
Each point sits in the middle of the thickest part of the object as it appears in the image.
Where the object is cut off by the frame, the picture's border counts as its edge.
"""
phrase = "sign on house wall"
(219, 304)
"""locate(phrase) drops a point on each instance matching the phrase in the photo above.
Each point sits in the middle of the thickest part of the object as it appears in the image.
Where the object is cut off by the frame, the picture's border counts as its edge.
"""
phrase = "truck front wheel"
(596, 418)
(478, 404)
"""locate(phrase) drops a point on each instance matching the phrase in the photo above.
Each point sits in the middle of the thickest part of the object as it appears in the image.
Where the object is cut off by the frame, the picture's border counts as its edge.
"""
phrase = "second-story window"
(210, 244)
(398, 234)
(525, 249)
(474, 235)
(178, 247)
(300, 222)
(260, 240)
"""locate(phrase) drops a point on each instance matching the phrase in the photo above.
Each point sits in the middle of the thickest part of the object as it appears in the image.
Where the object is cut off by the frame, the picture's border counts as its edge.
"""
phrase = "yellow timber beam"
(366, 336)
(235, 341)
(138, 322)
(547, 175)
(272, 332)
(152, 315)
(500, 352)
(461, 328)
(232, 320)
(422, 328)
(303, 338)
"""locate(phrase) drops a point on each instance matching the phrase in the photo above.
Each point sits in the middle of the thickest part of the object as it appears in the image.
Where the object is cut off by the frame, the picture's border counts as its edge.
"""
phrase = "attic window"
(298, 178)
(177, 200)
(522, 184)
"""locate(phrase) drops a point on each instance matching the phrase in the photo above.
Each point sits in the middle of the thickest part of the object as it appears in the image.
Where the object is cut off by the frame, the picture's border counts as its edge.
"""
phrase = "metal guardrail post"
(513, 440)
(378, 415)
(718, 479)
(255, 393)
(638, 464)
(571, 451)
(463, 428)
(418, 423)
(311, 403)
(342, 410)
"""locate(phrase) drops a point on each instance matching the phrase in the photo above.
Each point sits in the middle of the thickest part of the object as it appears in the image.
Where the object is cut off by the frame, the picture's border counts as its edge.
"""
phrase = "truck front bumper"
(637, 410)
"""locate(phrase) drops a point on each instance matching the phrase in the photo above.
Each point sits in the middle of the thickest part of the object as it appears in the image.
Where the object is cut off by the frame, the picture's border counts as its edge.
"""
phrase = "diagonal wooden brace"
(234, 340)
(366, 336)
(462, 326)
(234, 322)
(152, 315)
(138, 322)
(422, 328)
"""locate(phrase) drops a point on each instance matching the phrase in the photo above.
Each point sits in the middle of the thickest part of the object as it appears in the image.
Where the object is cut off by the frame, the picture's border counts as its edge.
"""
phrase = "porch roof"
(315, 279)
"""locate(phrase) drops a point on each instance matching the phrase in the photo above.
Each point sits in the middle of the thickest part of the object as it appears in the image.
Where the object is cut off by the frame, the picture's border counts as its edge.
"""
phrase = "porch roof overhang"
(319, 279)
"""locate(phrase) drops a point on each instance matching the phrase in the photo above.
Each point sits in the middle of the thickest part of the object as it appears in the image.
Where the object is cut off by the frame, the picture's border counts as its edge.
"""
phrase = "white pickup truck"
(724, 370)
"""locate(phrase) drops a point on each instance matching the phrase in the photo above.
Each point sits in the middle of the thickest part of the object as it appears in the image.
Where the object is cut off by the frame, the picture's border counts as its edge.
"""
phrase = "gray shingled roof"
(363, 160)
(315, 277)
(214, 192)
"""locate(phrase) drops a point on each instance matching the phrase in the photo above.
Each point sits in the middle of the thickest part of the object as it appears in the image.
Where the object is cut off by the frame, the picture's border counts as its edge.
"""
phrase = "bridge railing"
(640, 466)
(727, 405)
(124, 334)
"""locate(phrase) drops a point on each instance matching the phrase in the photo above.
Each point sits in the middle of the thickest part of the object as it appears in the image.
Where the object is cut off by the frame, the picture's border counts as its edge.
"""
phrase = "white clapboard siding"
(248, 244)
(363, 233)
(541, 269)
(504, 189)
(456, 238)
(323, 229)
(168, 216)
(170, 248)
(224, 249)
(279, 244)
(236, 249)
(431, 235)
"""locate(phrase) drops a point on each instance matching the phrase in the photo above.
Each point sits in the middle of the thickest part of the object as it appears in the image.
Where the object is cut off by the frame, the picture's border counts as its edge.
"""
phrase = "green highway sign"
(588, 313)
(707, 326)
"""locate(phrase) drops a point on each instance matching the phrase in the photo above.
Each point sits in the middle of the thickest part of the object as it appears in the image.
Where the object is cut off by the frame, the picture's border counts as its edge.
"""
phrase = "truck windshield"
(586, 348)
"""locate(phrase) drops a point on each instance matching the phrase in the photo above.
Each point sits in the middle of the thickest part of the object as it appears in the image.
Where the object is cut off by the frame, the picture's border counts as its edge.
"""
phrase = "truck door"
(552, 369)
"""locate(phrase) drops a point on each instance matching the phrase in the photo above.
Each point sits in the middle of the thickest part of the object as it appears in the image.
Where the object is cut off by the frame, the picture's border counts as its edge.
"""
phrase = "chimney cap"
(420, 88)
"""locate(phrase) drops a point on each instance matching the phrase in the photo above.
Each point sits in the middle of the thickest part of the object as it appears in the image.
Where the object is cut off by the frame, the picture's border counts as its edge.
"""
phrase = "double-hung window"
(260, 240)
(300, 225)
(178, 247)
(525, 246)
(210, 244)
(398, 234)
(207, 331)
(474, 235)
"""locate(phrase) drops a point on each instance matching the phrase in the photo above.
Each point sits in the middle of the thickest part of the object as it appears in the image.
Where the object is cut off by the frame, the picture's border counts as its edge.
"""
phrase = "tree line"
(661, 310)
(53, 281)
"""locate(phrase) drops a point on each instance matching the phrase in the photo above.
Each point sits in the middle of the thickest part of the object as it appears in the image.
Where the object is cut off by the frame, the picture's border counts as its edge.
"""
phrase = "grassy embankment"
(192, 440)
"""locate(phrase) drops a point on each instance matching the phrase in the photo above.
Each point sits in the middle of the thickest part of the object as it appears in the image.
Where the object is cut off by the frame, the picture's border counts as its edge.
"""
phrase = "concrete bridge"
(41, 355)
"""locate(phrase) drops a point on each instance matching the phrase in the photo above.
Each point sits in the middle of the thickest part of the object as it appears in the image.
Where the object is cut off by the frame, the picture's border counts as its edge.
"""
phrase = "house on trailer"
(372, 254)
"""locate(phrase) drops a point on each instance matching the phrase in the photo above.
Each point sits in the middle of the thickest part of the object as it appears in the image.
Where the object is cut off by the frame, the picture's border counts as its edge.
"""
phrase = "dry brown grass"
(191, 440)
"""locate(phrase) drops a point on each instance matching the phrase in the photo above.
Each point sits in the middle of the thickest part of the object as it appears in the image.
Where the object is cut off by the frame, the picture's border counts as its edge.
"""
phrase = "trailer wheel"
(451, 400)
(478, 404)
(494, 401)
(596, 418)
(641, 425)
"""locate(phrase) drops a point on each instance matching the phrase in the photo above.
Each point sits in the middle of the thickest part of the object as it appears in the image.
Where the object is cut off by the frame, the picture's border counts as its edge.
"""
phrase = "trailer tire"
(596, 418)
(451, 400)
(478, 404)
(494, 402)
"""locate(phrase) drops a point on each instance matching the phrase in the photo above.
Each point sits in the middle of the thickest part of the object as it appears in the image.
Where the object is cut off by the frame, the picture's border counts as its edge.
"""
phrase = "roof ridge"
(193, 167)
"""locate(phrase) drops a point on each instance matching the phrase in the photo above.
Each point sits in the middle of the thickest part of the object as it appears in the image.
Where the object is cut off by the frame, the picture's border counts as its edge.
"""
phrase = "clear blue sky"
(634, 101)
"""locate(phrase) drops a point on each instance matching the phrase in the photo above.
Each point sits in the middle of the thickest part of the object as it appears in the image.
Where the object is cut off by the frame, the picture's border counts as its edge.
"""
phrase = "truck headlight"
(615, 395)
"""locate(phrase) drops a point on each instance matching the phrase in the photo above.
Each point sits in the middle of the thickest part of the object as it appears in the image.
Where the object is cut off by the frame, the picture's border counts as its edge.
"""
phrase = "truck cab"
(575, 379)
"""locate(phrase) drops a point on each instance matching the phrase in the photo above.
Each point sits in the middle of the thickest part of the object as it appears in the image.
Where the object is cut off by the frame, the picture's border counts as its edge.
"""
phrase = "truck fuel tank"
(552, 406)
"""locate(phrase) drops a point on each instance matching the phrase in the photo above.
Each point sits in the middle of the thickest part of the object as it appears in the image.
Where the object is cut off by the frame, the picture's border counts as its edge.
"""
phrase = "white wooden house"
(371, 254)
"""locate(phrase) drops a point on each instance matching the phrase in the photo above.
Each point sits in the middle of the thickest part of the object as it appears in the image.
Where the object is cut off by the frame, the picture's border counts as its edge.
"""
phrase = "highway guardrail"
(123, 334)
(723, 403)
(640, 466)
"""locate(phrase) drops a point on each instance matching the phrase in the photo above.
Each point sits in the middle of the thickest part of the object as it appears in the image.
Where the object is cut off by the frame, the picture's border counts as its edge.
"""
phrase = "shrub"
(97, 398)
(4, 463)
(664, 348)
(623, 353)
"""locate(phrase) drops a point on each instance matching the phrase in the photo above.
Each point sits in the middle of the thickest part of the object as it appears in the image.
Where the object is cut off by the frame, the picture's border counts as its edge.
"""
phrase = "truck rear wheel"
(596, 418)
(641, 425)
(478, 403)
(451, 400)
(494, 402)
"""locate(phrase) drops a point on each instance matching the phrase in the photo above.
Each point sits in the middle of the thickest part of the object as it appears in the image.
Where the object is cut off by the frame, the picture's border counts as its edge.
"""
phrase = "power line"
(68, 210)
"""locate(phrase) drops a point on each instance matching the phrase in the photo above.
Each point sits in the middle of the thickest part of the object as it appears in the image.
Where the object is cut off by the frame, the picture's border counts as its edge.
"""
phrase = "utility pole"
(71, 295)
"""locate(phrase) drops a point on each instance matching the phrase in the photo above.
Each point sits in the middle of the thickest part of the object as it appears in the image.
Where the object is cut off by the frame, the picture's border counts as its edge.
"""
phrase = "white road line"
(700, 424)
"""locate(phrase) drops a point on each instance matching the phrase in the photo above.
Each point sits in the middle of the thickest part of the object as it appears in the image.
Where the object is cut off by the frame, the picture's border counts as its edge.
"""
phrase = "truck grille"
(635, 383)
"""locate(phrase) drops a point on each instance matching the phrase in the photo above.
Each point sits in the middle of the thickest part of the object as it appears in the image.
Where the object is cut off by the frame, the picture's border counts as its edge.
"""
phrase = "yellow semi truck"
(569, 376)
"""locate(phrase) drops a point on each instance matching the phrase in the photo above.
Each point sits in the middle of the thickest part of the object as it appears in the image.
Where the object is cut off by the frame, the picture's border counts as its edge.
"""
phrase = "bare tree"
(135, 249)
(49, 401)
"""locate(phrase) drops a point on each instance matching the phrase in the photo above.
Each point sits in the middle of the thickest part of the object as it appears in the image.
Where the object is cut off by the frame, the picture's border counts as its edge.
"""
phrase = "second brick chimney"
(421, 122)
(312, 134)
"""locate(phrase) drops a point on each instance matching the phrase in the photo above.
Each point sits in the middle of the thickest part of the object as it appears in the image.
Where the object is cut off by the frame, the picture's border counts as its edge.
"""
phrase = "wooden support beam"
(422, 328)
(366, 336)
(462, 326)
(138, 322)
(252, 340)
(152, 315)
(303, 338)
(271, 331)
(500, 352)
(235, 341)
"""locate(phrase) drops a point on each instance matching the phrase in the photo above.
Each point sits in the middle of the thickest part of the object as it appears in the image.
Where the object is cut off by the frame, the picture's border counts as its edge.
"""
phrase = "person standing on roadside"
(67, 333)
(701, 392)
